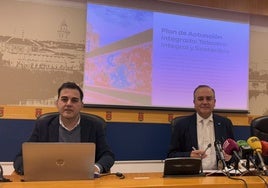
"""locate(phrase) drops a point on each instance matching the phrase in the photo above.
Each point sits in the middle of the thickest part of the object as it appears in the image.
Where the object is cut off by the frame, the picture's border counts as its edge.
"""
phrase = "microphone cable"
(225, 170)
(228, 175)
(258, 171)
(265, 182)
(240, 179)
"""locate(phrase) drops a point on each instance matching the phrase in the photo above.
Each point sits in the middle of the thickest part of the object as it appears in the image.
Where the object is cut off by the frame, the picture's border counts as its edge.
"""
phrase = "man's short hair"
(206, 86)
(71, 85)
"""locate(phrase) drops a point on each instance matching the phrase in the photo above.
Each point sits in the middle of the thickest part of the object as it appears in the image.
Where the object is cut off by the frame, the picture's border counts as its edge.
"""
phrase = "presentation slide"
(142, 58)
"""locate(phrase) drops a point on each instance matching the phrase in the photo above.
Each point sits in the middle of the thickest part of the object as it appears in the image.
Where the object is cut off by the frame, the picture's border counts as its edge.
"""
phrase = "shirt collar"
(199, 118)
(61, 123)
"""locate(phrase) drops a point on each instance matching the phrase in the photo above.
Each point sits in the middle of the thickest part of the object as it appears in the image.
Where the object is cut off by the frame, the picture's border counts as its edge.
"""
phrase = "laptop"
(58, 161)
(182, 166)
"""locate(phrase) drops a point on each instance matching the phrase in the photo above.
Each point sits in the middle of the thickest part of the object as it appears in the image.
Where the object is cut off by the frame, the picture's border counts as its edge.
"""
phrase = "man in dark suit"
(70, 126)
(192, 134)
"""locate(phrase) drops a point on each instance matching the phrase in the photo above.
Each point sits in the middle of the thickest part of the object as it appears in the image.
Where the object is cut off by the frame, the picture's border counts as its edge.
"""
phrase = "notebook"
(58, 161)
(182, 166)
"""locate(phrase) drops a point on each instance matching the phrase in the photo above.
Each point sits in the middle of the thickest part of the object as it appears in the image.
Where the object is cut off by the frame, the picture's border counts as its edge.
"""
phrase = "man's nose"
(69, 101)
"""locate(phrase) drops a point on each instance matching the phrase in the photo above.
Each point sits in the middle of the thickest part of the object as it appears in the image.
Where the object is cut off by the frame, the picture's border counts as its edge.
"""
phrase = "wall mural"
(258, 72)
(41, 46)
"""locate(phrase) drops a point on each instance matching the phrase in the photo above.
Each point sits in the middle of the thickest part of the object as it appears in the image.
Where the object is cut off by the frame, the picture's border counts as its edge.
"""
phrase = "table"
(141, 180)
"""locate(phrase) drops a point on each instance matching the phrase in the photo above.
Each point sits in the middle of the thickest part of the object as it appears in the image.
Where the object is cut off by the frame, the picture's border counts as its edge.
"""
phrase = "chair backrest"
(175, 120)
(92, 117)
(259, 127)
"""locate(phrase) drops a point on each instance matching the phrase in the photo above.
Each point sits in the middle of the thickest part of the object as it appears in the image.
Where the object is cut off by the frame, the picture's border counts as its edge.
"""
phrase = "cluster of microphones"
(248, 154)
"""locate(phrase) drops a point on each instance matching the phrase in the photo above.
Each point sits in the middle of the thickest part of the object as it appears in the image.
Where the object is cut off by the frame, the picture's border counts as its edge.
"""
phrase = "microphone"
(255, 144)
(220, 155)
(264, 145)
(246, 152)
(264, 148)
(245, 149)
(230, 147)
(208, 146)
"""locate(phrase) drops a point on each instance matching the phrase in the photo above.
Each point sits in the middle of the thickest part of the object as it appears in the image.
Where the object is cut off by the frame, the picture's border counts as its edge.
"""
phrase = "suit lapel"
(193, 131)
(53, 131)
(218, 128)
(85, 130)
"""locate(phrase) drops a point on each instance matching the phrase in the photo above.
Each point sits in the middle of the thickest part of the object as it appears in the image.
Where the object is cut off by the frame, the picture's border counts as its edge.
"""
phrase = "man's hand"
(198, 154)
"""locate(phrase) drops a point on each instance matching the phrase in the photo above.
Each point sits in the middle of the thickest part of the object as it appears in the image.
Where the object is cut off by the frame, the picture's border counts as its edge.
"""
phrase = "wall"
(129, 141)
(41, 46)
(38, 31)
(50, 52)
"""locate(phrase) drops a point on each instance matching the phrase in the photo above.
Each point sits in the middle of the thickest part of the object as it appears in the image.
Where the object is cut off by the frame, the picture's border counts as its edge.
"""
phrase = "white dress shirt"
(206, 136)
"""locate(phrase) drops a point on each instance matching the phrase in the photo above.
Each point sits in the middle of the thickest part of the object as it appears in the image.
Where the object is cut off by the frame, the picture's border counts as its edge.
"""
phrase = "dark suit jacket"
(47, 130)
(184, 134)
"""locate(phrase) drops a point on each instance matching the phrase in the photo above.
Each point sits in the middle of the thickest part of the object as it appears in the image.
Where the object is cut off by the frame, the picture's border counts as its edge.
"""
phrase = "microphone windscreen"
(245, 149)
(264, 145)
(255, 143)
(229, 146)
(243, 143)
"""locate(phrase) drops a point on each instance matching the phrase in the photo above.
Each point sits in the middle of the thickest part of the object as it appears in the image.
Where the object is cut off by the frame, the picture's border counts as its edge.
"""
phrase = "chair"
(259, 128)
(97, 119)
(175, 120)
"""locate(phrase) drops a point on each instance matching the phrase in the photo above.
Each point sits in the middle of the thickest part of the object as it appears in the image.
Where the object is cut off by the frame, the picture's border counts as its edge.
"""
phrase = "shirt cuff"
(98, 168)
